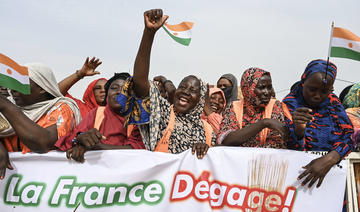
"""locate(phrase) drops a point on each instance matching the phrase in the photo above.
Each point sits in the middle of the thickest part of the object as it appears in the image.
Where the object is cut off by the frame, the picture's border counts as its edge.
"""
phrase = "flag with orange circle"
(181, 33)
(345, 44)
(14, 76)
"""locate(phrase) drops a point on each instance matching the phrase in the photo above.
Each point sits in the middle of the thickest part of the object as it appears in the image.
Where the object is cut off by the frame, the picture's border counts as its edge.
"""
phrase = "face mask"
(227, 92)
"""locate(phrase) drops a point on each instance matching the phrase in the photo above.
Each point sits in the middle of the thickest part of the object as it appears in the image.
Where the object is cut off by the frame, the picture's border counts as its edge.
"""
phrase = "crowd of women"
(133, 112)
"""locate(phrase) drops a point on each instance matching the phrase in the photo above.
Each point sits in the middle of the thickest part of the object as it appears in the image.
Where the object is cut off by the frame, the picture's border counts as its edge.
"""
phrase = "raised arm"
(88, 69)
(153, 19)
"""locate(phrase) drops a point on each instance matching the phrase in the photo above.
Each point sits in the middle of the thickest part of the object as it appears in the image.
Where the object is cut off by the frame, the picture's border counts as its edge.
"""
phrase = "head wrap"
(122, 75)
(331, 128)
(88, 97)
(233, 96)
(44, 77)
(249, 80)
(352, 97)
(188, 127)
(252, 112)
(217, 90)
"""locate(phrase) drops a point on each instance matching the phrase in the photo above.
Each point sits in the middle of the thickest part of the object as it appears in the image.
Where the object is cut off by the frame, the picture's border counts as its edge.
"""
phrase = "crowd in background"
(133, 112)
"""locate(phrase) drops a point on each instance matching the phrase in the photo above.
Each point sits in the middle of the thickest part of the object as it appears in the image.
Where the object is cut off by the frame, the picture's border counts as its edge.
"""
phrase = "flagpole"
(329, 52)
(331, 35)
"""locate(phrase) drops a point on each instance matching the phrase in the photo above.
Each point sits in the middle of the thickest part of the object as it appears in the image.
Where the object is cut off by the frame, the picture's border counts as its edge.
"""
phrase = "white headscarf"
(44, 77)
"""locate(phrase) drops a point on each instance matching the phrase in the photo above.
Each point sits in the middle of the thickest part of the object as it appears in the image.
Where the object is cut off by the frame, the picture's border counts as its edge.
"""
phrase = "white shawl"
(44, 77)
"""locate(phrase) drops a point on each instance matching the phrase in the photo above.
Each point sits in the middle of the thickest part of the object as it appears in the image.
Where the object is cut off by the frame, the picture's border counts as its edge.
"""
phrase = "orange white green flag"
(14, 76)
(345, 44)
(181, 33)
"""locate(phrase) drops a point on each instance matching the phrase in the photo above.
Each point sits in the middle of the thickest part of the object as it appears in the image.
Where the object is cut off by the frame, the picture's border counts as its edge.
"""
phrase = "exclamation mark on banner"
(289, 199)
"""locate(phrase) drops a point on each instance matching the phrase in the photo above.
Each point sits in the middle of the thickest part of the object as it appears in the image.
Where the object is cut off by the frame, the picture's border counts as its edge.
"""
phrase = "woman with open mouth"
(257, 120)
(170, 128)
(214, 107)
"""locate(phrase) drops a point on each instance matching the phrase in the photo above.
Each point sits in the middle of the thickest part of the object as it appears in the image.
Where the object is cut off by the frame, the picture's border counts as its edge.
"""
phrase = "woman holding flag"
(170, 128)
(38, 119)
(317, 120)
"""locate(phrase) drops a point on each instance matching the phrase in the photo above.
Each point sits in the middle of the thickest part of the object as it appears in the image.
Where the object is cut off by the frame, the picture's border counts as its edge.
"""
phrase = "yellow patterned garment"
(352, 97)
(135, 110)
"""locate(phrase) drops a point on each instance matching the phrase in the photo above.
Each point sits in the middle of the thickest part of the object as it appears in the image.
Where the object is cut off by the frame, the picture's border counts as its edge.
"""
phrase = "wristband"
(74, 141)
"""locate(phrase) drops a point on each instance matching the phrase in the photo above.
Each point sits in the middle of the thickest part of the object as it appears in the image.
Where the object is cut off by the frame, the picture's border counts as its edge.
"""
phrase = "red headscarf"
(249, 80)
(89, 101)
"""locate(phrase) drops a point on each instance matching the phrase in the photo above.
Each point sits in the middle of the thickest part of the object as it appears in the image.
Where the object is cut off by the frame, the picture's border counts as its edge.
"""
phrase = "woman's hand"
(278, 126)
(4, 161)
(88, 69)
(301, 117)
(207, 107)
(200, 149)
(318, 168)
(161, 79)
(154, 19)
(90, 138)
(76, 153)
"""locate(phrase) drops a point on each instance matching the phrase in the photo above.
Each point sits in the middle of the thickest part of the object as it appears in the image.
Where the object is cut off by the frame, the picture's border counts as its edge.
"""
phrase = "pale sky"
(229, 36)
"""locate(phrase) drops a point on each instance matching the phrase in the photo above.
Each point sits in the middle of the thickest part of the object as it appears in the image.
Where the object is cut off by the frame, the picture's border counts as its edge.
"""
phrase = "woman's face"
(99, 91)
(217, 102)
(37, 94)
(113, 92)
(263, 91)
(187, 95)
(4, 91)
(315, 91)
(223, 83)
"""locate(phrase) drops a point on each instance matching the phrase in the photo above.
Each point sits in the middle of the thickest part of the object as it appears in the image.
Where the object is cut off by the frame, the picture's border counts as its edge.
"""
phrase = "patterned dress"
(252, 113)
(331, 128)
(152, 114)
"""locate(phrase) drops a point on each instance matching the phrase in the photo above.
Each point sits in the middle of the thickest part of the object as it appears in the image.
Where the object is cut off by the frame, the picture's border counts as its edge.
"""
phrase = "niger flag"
(345, 44)
(14, 76)
(181, 33)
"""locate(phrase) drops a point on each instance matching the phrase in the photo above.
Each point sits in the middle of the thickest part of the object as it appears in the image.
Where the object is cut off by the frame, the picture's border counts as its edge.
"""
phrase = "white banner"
(226, 179)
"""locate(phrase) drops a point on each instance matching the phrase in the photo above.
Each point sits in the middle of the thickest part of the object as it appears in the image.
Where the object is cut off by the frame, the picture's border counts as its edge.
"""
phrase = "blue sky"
(280, 36)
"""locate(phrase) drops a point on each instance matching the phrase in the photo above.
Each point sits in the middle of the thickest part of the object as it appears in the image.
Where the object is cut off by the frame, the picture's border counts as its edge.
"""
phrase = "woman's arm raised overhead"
(153, 19)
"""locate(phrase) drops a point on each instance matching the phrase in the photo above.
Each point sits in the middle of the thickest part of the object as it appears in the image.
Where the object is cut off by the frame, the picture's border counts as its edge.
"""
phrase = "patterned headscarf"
(188, 127)
(249, 80)
(331, 128)
(352, 97)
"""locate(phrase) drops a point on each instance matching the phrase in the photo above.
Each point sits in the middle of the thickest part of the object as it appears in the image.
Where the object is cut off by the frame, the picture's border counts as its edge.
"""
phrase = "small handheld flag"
(14, 76)
(181, 33)
(344, 44)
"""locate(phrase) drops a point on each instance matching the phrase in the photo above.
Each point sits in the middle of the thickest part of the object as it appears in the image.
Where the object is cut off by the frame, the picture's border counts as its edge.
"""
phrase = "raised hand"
(88, 69)
(154, 19)
(207, 107)
(161, 79)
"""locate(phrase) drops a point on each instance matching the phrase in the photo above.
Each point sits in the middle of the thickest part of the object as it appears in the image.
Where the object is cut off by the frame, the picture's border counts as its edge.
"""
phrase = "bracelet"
(78, 75)
(74, 141)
